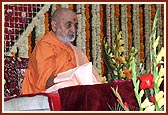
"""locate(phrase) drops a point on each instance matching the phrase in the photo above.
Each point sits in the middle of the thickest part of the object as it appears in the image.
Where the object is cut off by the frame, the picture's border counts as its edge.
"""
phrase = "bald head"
(64, 24)
(62, 13)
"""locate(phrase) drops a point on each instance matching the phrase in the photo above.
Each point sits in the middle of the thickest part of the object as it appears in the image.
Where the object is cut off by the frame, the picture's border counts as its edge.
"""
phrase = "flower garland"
(159, 27)
(94, 37)
(46, 23)
(153, 11)
(29, 44)
(53, 8)
(87, 30)
(64, 5)
(23, 52)
(117, 21)
(129, 7)
(108, 35)
(136, 34)
(102, 36)
(117, 13)
(141, 33)
(96, 52)
(147, 12)
(124, 21)
(40, 27)
(81, 33)
(83, 29)
(112, 18)
(22, 42)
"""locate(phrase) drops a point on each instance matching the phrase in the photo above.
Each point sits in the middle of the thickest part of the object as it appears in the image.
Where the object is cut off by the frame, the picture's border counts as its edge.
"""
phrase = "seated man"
(54, 54)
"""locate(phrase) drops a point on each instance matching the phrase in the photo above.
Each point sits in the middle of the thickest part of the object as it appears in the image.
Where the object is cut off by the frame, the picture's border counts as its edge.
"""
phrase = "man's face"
(67, 28)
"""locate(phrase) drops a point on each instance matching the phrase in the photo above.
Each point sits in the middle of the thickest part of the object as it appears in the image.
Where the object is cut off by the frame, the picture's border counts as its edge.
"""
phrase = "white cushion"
(34, 103)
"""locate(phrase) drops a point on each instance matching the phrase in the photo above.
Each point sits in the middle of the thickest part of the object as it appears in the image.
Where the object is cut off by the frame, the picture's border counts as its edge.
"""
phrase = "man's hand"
(50, 81)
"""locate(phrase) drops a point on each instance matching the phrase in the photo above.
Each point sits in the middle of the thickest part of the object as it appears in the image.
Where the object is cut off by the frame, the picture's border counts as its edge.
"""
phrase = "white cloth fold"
(80, 75)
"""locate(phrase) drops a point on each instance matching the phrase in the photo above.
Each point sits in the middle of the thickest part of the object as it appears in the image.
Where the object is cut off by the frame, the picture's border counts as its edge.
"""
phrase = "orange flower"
(126, 58)
(127, 73)
(119, 59)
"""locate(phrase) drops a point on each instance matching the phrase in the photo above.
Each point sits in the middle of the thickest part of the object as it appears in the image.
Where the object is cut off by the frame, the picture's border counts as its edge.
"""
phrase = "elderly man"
(54, 54)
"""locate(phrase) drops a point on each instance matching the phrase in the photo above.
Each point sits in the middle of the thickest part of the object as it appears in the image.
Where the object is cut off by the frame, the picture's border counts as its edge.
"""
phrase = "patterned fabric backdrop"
(25, 23)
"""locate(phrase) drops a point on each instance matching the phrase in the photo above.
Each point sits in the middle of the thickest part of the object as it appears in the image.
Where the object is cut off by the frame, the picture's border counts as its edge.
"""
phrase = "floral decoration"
(146, 81)
(149, 95)
(118, 65)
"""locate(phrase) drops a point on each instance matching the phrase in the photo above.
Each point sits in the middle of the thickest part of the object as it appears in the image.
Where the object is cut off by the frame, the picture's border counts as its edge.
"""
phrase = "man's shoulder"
(46, 39)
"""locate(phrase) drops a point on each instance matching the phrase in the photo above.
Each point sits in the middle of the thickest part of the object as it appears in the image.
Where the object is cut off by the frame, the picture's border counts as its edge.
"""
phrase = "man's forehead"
(71, 19)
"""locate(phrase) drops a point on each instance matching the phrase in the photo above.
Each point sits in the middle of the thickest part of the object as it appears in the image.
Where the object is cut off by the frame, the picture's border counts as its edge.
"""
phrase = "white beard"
(65, 38)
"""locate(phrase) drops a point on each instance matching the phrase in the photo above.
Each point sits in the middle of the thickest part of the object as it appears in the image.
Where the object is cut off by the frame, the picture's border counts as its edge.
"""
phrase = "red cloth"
(91, 97)
(54, 101)
(97, 97)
